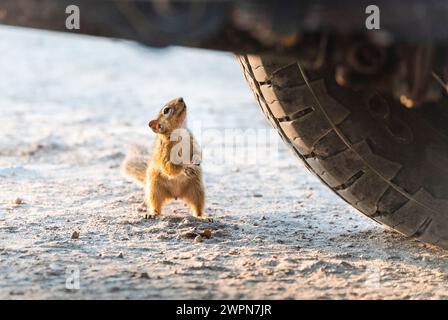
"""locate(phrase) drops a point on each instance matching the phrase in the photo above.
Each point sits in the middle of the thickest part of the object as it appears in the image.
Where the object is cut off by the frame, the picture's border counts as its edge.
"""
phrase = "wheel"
(389, 162)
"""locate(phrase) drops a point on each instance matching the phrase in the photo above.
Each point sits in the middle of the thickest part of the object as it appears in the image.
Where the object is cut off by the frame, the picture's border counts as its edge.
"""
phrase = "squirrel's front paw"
(190, 171)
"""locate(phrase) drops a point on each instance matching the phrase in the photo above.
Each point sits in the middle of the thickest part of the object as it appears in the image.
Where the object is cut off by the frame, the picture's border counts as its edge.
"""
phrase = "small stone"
(17, 201)
(207, 233)
(198, 239)
(75, 235)
(144, 275)
(258, 195)
(120, 255)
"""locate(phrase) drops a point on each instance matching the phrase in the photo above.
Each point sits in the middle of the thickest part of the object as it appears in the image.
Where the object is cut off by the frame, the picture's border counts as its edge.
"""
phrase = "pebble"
(198, 239)
(120, 255)
(17, 201)
(75, 235)
(207, 233)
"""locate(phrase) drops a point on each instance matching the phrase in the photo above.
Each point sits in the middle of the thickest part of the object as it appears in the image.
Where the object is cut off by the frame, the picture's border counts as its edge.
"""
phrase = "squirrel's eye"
(167, 110)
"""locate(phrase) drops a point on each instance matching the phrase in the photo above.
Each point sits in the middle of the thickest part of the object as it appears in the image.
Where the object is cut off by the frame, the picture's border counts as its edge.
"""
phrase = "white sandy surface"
(71, 107)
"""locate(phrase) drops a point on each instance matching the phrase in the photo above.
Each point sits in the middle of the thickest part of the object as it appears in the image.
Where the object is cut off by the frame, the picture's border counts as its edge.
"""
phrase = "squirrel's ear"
(154, 125)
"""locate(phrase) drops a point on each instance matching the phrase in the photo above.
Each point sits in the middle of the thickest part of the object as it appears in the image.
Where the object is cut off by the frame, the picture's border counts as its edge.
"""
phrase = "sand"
(70, 109)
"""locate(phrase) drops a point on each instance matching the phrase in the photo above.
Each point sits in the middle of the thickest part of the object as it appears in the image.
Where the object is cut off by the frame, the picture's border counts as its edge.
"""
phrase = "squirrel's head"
(171, 117)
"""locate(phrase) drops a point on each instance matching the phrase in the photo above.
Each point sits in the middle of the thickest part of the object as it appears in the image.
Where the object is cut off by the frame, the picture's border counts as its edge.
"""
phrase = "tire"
(389, 162)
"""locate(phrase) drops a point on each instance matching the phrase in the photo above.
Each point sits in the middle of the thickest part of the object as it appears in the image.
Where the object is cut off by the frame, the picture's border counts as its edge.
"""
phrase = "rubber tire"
(387, 161)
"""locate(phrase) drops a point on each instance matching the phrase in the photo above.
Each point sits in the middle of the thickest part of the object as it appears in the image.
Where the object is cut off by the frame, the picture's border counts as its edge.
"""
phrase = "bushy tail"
(135, 165)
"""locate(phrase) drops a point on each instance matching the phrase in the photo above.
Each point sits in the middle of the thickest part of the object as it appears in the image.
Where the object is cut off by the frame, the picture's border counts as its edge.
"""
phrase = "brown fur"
(136, 166)
(163, 179)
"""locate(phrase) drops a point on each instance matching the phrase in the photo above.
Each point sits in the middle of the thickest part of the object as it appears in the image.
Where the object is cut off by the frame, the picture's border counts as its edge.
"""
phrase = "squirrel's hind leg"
(196, 199)
(156, 196)
(155, 202)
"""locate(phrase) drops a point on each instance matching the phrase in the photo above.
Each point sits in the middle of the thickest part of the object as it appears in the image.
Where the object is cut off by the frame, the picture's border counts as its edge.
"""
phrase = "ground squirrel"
(173, 171)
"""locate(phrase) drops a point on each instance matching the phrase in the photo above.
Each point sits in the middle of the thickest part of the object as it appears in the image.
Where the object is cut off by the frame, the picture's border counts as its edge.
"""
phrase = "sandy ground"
(71, 107)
